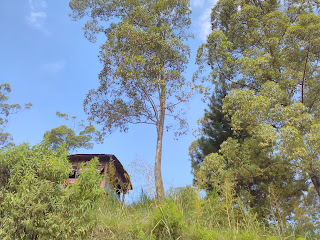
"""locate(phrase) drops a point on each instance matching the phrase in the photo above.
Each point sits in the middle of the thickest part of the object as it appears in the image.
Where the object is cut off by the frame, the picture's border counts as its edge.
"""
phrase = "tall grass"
(184, 215)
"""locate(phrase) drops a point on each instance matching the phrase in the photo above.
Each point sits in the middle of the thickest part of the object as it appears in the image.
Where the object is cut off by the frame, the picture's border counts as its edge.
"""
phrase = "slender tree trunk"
(157, 166)
(316, 182)
(160, 126)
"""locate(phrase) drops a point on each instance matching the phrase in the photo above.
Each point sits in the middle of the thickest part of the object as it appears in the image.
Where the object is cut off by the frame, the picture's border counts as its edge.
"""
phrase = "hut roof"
(121, 173)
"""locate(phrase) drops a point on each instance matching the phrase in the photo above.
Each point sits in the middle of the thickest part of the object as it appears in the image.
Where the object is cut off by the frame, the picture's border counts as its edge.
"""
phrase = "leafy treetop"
(6, 109)
(68, 137)
(268, 53)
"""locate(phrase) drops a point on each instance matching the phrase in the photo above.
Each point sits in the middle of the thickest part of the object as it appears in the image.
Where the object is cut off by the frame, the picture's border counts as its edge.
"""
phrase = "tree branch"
(150, 100)
(304, 73)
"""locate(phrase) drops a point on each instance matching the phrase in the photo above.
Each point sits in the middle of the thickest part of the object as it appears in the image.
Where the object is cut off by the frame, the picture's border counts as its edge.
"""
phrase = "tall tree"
(271, 51)
(215, 128)
(7, 109)
(214, 56)
(143, 58)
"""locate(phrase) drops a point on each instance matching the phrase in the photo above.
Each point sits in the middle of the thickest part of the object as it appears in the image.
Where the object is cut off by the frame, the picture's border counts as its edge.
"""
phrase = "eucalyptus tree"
(143, 59)
(268, 53)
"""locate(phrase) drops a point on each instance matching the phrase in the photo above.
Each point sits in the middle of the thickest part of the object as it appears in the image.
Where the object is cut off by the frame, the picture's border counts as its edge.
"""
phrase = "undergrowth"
(184, 215)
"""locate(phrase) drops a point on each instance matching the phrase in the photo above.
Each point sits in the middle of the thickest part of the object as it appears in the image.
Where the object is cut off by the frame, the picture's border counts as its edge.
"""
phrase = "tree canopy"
(80, 136)
(268, 54)
(215, 129)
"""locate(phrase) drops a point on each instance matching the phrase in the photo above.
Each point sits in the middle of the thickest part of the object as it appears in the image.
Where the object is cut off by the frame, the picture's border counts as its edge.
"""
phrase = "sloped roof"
(121, 173)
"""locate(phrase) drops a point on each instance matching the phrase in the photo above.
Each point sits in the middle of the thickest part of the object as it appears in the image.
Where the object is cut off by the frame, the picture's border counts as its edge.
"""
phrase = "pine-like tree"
(215, 128)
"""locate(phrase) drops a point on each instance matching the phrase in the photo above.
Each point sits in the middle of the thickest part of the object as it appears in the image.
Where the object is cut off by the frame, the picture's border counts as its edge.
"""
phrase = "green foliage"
(255, 42)
(7, 109)
(189, 202)
(68, 137)
(34, 201)
(275, 139)
(307, 214)
(191, 217)
(168, 221)
(215, 129)
(42, 210)
(143, 59)
(267, 52)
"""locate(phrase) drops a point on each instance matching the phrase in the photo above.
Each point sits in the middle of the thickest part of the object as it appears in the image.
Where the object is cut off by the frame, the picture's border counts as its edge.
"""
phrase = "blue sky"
(48, 62)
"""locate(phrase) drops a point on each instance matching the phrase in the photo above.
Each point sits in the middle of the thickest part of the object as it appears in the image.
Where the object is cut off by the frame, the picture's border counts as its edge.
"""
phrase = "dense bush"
(35, 202)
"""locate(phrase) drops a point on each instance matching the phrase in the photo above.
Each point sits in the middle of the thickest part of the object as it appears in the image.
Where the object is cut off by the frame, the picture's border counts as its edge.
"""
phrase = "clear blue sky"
(48, 62)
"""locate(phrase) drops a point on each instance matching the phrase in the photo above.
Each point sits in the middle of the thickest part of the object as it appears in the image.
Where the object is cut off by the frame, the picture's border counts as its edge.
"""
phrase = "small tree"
(215, 129)
(79, 136)
(143, 59)
(5, 110)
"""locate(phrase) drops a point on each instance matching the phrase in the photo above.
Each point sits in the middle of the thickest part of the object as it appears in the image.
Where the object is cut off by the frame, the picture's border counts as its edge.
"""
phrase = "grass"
(183, 215)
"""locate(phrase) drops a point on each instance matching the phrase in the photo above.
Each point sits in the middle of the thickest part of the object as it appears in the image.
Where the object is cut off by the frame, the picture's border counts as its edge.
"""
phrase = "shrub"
(35, 204)
(168, 221)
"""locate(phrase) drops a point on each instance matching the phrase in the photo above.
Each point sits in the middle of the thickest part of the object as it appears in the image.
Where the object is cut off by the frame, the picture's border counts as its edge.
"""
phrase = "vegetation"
(35, 202)
(79, 136)
(215, 129)
(185, 215)
(266, 52)
(7, 109)
(144, 56)
(258, 157)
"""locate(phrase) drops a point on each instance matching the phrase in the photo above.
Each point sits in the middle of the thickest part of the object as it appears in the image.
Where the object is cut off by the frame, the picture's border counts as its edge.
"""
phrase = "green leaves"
(144, 50)
(7, 109)
(215, 129)
(277, 144)
(35, 202)
(68, 138)
(143, 59)
(267, 53)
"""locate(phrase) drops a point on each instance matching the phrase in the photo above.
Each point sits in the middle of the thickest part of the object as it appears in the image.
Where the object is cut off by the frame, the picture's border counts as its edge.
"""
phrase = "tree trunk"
(160, 126)
(316, 183)
(157, 166)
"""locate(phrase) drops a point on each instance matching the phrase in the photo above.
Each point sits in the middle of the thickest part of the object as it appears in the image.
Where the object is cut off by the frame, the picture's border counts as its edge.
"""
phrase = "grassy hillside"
(184, 215)
(36, 203)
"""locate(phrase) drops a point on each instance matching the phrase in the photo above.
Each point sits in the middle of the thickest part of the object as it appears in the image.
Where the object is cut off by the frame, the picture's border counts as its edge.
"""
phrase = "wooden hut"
(115, 177)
